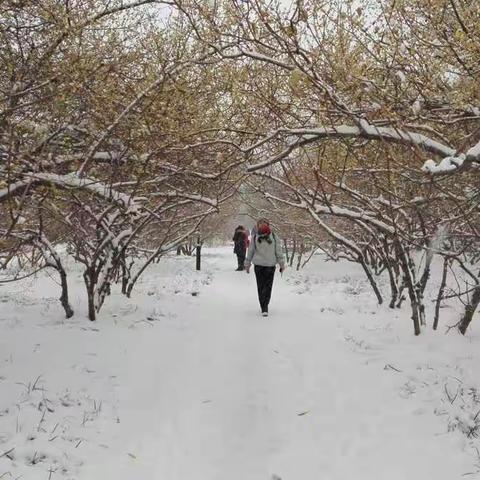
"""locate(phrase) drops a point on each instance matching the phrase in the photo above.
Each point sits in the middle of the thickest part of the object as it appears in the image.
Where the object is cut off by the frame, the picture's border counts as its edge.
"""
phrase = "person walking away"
(265, 251)
(240, 238)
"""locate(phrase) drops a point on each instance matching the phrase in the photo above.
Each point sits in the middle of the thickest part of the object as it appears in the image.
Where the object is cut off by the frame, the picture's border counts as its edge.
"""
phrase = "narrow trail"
(222, 393)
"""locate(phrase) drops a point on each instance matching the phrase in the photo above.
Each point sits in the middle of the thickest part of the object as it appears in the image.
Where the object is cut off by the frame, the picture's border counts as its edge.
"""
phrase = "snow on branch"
(174, 170)
(446, 165)
(13, 188)
(364, 131)
(241, 52)
(454, 163)
(100, 189)
(71, 180)
(195, 198)
(474, 153)
(264, 58)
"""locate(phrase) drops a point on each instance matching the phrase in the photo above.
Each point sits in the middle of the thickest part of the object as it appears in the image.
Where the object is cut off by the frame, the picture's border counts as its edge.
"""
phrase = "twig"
(41, 420)
(391, 367)
(449, 397)
(5, 454)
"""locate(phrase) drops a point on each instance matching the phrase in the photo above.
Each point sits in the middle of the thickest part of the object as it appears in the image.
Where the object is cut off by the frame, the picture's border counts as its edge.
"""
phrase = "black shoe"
(264, 314)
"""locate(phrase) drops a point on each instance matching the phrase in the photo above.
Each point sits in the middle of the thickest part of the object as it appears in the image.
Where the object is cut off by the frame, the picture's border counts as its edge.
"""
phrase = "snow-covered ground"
(186, 381)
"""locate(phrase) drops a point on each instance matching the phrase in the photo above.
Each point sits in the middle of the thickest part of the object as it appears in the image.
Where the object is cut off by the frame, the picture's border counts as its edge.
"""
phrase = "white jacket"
(263, 253)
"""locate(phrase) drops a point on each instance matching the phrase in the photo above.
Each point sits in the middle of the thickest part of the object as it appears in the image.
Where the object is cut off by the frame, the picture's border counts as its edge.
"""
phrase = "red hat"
(264, 230)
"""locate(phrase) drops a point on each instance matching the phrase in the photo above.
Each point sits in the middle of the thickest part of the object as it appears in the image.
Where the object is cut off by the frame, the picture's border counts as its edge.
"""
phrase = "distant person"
(265, 252)
(240, 237)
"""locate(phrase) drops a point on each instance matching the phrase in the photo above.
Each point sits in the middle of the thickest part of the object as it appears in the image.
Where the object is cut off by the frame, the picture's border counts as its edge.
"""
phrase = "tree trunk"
(470, 309)
(64, 297)
(294, 250)
(89, 278)
(286, 250)
(409, 279)
(401, 296)
(300, 255)
(446, 262)
(393, 285)
(91, 306)
(371, 279)
(426, 273)
(314, 249)
(133, 280)
(125, 277)
(198, 255)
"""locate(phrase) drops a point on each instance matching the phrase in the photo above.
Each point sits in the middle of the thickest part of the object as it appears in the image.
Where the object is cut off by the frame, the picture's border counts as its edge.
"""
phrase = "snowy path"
(174, 386)
(222, 393)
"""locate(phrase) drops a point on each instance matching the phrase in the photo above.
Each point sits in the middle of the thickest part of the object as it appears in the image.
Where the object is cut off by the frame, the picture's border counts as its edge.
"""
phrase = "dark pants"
(241, 260)
(264, 285)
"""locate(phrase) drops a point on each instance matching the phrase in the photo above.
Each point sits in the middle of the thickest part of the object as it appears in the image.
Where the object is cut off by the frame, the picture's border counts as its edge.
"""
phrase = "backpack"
(254, 239)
